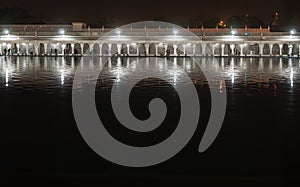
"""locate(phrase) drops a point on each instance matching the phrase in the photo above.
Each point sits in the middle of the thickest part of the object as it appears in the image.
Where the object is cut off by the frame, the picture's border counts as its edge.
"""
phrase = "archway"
(86, 49)
(285, 49)
(96, 49)
(198, 50)
(77, 49)
(114, 49)
(41, 49)
(266, 49)
(105, 49)
(124, 49)
(142, 50)
(152, 49)
(295, 51)
(276, 49)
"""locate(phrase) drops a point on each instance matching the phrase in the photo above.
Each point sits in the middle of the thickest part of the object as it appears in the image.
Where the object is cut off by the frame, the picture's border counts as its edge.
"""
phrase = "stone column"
(299, 50)
(184, 50)
(147, 49)
(203, 46)
(271, 49)
(194, 49)
(222, 49)
(175, 50)
(0, 49)
(73, 48)
(18, 48)
(100, 48)
(242, 47)
(119, 46)
(261, 49)
(137, 49)
(27, 49)
(156, 50)
(109, 50)
(280, 49)
(63, 47)
(46, 48)
(81, 49)
(128, 48)
(290, 50)
(232, 47)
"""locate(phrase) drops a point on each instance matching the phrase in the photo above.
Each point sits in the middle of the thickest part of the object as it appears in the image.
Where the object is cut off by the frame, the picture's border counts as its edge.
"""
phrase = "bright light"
(233, 32)
(61, 31)
(293, 31)
(118, 32)
(6, 31)
(175, 32)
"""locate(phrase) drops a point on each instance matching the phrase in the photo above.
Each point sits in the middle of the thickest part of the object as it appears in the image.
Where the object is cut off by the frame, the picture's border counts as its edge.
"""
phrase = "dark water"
(258, 143)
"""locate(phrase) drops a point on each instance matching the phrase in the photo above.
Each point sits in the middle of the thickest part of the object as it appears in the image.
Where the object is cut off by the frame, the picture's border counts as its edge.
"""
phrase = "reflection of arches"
(96, 49)
(114, 49)
(42, 49)
(86, 49)
(198, 50)
(152, 49)
(295, 51)
(276, 49)
(124, 50)
(105, 49)
(142, 49)
(77, 49)
(266, 49)
(285, 49)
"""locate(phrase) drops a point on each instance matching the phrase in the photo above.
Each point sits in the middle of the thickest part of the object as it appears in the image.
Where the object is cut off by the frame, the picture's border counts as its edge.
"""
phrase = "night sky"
(127, 11)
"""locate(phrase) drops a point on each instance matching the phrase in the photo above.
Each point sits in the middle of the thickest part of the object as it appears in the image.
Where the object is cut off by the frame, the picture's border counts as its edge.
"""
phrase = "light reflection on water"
(20, 74)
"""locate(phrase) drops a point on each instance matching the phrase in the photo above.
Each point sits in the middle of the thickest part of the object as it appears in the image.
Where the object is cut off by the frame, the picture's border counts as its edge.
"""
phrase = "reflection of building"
(78, 39)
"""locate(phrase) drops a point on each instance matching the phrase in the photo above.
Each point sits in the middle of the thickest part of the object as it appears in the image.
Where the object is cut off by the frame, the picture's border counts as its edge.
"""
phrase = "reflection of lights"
(292, 77)
(62, 78)
(6, 78)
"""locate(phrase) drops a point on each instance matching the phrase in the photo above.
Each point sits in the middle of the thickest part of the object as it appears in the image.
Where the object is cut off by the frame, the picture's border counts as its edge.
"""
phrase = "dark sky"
(127, 11)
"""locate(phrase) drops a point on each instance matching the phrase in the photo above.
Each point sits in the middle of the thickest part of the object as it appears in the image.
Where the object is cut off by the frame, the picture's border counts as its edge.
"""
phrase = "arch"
(114, 49)
(105, 49)
(68, 49)
(198, 50)
(96, 49)
(86, 49)
(246, 49)
(31, 49)
(161, 50)
(295, 51)
(77, 49)
(124, 49)
(189, 49)
(22, 48)
(208, 49)
(41, 49)
(254, 49)
(285, 49)
(276, 49)
(152, 49)
(170, 49)
(266, 49)
(58, 49)
(227, 49)
(217, 49)
(142, 49)
(180, 49)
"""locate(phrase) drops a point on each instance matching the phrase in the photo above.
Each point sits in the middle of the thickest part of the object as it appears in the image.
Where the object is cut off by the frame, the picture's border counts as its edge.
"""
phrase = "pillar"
(280, 49)
(0, 49)
(119, 49)
(46, 48)
(27, 49)
(81, 48)
(63, 47)
(18, 48)
(175, 50)
(232, 47)
(147, 49)
(242, 47)
(222, 49)
(137, 49)
(290, 50)
(271, 49)
(203, 46)
(73, 48)
(184, 49)
(194, 49)
(299, 50)
(261, 49)
(100, 48)
(128, 49)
